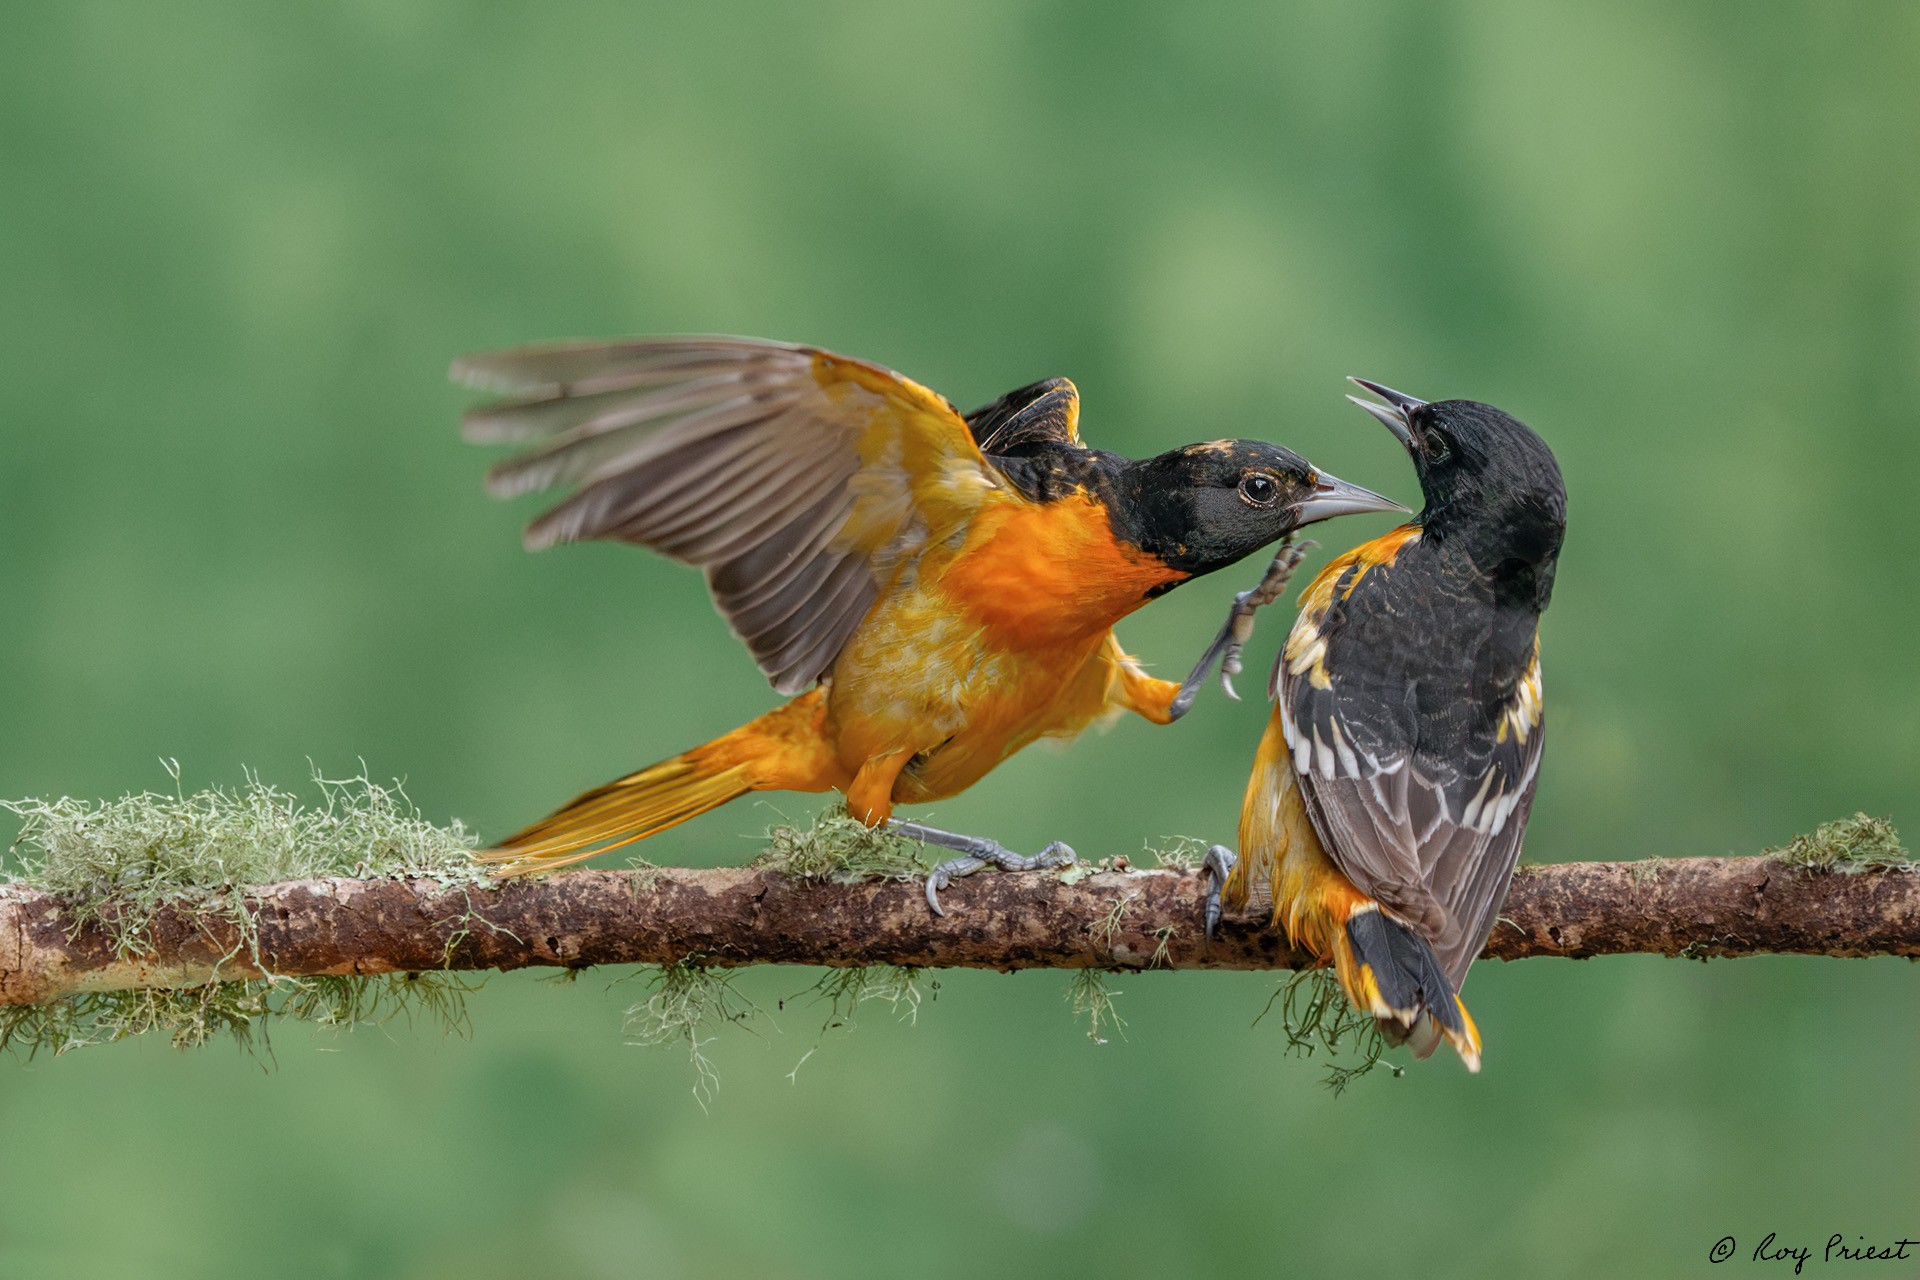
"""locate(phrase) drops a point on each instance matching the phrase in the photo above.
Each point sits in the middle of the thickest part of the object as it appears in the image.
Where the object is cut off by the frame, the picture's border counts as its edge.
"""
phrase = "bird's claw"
(977, 854)
(1215, 868)
(1238, 628)
(945, 874)
(1237, 631)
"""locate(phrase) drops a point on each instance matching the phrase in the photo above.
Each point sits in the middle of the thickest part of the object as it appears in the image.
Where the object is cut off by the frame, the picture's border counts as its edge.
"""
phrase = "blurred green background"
(240, 243)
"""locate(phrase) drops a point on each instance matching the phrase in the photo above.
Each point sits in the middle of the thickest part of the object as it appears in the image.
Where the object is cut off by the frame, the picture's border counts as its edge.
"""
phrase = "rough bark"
(1703, 907)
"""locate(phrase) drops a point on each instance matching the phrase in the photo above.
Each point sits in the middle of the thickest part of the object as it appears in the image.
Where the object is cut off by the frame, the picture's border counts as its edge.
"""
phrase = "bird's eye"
(1439, 448)
(1259, 489)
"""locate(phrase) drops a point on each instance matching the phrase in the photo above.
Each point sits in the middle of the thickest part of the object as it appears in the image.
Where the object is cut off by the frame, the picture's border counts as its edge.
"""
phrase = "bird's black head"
(1483, 473)
(1203, 507)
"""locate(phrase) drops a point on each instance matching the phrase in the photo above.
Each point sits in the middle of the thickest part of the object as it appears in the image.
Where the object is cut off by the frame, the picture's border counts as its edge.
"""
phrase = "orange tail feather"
(780, 751)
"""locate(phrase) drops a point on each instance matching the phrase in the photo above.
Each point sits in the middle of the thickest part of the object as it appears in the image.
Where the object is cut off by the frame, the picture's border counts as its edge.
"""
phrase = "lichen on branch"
(226, 911)
(115, 866)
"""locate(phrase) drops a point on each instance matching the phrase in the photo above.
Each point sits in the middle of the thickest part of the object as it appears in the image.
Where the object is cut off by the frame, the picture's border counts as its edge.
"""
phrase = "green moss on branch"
(1859, 843)
(116, 864)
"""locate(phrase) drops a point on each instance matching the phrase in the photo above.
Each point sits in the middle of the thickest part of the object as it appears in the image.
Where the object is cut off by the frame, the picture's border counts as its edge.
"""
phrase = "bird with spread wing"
(936, 590)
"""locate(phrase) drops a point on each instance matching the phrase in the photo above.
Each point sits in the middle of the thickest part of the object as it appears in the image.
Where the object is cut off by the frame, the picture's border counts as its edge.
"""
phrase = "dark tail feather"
(1391, 972)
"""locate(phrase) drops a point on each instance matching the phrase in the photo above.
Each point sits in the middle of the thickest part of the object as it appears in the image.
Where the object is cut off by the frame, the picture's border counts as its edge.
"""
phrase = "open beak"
(1392, 414)
(1332, 497)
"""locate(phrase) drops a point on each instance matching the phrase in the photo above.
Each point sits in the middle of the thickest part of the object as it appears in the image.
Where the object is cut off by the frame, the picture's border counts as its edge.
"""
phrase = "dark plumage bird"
(1393, 785)
(937, 590)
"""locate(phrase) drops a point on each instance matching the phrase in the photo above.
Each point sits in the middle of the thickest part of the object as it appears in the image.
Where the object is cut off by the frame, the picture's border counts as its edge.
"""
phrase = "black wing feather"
(1405, 708)
(1036, 418)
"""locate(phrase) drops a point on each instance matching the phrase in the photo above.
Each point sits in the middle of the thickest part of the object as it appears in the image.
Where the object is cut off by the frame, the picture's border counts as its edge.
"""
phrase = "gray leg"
(1217, 866)
(976, 853)
(1233, 636)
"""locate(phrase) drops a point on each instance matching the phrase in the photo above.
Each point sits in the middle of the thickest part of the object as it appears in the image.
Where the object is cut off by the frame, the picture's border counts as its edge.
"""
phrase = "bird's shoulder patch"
(1305, 653)
(1346, 571)
(1521, 715)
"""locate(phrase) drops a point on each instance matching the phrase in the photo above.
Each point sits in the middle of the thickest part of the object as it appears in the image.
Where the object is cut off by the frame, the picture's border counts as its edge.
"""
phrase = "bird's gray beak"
(1392, 414)
(1333, 496)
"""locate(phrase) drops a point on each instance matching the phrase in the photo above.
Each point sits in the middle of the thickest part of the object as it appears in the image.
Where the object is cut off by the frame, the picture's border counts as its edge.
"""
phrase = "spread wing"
(1416, 753)
(799, 480)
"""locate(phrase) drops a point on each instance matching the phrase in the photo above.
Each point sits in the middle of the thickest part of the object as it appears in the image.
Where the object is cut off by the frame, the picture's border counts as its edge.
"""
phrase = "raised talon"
(1216, 867)
(1238, 628)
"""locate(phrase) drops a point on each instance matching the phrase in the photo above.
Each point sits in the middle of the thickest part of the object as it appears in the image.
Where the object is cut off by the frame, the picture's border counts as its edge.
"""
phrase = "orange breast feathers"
(1034, 575)
(997, 637)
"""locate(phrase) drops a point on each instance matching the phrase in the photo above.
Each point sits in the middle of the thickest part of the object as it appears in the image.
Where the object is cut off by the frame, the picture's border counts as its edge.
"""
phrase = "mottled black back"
(1411, 685)
(1430, 654)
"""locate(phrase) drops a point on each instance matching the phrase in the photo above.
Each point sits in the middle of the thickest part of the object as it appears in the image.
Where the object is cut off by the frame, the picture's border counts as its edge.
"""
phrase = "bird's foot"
(976, 854)
(1216, 867)
(1238, 629)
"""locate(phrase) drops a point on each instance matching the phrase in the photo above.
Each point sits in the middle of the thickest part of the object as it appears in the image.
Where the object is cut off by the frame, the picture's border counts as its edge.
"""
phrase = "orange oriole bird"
(1394, 781)
(938, 590)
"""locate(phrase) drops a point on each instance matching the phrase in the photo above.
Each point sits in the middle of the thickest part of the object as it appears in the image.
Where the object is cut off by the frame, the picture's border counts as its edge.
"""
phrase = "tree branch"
(1700, 907)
